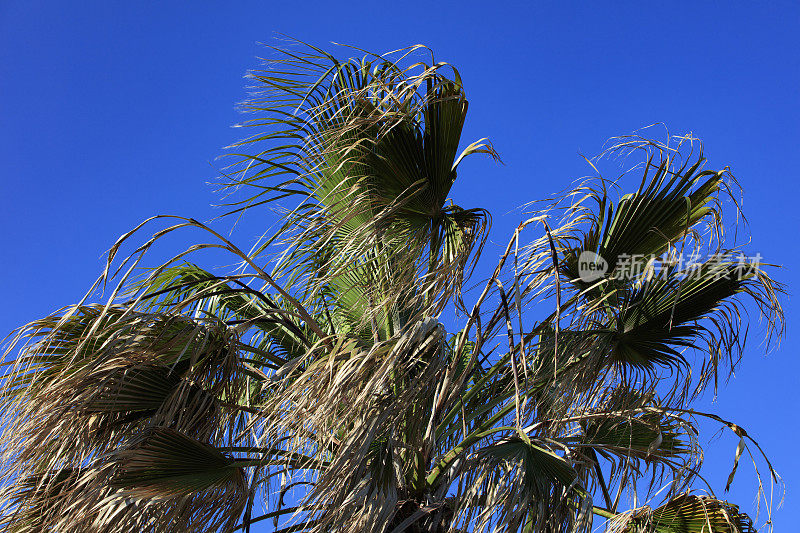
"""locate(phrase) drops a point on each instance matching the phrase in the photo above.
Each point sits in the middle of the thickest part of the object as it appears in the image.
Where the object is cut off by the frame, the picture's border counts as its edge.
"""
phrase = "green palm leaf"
(167, 463)
(673, 310)
(688, 514)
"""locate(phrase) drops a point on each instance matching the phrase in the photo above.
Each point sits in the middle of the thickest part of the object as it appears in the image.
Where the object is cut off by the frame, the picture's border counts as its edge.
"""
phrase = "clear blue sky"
(113, 111)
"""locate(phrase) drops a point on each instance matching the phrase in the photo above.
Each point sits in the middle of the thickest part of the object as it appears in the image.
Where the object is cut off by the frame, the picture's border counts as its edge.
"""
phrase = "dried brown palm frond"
(360, 412)
(102, 376)
(161, 478)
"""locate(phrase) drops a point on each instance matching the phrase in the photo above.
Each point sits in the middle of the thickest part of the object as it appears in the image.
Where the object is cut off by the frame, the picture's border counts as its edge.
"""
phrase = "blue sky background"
(114, 111)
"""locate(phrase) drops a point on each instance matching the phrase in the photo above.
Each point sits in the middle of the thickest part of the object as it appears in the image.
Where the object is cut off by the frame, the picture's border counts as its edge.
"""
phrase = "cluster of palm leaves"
(319, 379)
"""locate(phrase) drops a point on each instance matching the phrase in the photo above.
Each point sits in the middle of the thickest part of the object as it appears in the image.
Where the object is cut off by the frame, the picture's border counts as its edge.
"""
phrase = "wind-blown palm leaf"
(167, 463)
(664, 211)
(641, 437)
(687, 514)
(357, 402)
(138, 370)
(163, 477)
(648, 222)
(678, 309)
(189, 284)
(535, 488)
(379, 155)
(36, 499)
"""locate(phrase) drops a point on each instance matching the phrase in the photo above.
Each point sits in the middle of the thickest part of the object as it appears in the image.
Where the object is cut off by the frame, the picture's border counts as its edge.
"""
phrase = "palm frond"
(166, 463)
(374, 152)
(517, 484)
(686, 514)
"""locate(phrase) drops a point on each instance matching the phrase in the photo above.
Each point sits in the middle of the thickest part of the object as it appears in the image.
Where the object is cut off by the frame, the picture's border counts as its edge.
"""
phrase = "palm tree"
(319, 375)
